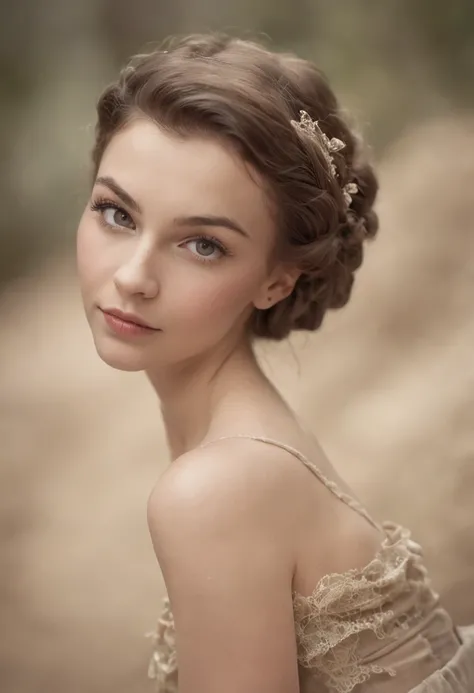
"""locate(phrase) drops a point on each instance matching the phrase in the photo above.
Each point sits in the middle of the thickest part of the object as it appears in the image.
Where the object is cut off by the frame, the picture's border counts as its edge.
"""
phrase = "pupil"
(120, 217)
(206, 247)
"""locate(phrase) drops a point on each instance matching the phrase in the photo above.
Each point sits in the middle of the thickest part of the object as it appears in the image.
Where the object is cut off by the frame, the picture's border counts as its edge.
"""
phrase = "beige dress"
(379, 629)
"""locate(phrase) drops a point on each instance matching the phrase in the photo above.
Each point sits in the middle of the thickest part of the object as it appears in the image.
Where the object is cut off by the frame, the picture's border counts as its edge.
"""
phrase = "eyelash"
(101, 204)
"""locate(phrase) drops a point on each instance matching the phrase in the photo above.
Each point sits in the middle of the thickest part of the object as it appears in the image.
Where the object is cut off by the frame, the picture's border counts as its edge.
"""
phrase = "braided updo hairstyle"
(248, 96)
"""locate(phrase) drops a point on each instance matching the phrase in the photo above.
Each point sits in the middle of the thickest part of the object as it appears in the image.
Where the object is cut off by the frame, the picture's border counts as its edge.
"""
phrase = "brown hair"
(248, 95)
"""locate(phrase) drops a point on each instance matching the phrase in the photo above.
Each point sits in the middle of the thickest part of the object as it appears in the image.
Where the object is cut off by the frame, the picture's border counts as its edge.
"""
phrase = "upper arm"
(227, 567)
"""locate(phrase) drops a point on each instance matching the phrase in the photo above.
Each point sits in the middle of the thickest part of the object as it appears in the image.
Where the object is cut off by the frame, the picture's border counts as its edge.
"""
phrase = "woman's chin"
(121, 358)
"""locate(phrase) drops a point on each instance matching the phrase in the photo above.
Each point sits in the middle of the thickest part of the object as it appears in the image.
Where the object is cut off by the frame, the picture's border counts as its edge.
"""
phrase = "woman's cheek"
(221, 298)
(89, 256)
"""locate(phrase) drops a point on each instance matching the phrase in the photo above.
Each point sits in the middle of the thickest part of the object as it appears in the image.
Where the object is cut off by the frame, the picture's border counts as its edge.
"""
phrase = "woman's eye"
(206, 249)
(111, 215)
(114, 216)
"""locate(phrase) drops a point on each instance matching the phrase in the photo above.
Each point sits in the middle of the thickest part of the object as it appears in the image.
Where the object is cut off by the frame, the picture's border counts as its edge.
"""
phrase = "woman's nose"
(137, 277)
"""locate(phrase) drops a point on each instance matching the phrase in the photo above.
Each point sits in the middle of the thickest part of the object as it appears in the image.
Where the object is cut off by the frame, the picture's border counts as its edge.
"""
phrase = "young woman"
(230, 203)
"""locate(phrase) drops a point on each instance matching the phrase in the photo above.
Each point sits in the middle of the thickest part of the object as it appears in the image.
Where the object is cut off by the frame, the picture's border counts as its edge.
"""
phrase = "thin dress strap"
(331, 485)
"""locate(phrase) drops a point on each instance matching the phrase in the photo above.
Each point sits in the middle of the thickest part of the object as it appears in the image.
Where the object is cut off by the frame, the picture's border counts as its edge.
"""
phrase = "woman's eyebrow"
(211, 220)
(112, 184)
(201, 220)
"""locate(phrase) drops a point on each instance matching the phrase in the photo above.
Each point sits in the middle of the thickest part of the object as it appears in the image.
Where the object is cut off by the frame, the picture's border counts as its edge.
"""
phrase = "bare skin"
(181, 234)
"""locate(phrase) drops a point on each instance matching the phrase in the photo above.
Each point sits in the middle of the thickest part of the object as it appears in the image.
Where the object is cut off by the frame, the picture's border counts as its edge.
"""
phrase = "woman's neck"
(205, 400)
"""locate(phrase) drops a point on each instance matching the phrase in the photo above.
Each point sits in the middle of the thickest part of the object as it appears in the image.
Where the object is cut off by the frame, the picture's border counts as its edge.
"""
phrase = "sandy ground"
(388, 385)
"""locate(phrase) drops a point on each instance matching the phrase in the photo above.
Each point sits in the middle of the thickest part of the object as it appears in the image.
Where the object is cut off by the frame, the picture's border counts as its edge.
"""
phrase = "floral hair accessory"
(311, 128)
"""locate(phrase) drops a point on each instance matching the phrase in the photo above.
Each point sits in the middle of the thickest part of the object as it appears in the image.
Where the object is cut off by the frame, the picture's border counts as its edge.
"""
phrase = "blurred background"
(387, 385)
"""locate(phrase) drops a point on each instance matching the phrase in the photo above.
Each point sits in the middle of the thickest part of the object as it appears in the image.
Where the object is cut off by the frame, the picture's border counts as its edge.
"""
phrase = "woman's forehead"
(199, 173)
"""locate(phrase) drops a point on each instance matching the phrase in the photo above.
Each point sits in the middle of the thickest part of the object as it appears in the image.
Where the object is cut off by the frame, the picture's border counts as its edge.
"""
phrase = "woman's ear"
(280, 285)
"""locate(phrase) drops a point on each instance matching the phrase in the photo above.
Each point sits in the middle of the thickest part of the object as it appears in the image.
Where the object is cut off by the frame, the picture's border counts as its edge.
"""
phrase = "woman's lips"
(123, 327)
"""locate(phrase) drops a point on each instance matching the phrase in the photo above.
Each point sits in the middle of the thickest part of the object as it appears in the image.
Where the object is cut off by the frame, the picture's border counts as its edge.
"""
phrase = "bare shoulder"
(235, 484)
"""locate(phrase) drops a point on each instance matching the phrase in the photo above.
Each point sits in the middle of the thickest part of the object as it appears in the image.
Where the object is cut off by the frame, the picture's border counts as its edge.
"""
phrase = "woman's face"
(177, 234)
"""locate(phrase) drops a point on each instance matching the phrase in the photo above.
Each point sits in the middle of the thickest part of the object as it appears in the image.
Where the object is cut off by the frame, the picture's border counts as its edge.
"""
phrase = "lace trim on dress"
(163, 667)
(346, 606)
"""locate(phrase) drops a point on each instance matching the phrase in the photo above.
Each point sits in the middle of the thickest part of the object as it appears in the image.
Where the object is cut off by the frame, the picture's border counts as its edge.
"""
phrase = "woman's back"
(332, 536)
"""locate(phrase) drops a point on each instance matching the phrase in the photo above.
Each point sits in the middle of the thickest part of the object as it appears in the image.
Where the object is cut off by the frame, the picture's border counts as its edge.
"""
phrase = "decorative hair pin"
(311, 128)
